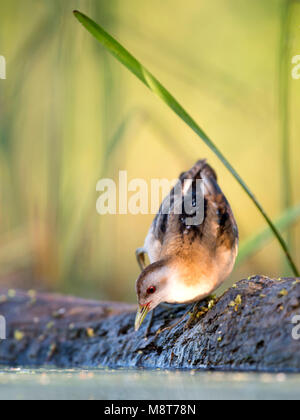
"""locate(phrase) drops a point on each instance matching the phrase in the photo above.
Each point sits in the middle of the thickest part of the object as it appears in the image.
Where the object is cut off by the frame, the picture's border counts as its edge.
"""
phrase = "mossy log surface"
(248, 328)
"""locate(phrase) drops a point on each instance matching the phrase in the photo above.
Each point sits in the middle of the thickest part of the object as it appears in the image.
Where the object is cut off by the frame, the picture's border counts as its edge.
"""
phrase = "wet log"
(249, 328)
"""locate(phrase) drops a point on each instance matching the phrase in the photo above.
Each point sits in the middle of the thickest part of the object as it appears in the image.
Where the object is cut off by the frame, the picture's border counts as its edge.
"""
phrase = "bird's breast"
(196, 278)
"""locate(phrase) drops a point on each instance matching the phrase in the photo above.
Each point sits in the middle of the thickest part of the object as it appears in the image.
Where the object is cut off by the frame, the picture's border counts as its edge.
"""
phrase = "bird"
(188, 262)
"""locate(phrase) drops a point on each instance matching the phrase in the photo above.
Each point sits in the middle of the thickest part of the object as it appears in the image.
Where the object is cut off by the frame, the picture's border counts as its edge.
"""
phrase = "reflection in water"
(141, 384)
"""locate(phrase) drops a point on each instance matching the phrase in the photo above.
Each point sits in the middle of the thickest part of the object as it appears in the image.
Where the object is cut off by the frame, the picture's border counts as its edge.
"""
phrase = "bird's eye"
(151, 290)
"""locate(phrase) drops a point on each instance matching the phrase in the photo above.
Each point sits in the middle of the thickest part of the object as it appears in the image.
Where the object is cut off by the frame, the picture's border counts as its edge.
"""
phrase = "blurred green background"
(70, 114)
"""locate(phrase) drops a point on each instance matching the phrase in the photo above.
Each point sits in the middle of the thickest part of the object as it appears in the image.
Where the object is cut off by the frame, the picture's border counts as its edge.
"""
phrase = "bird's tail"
(200, 170)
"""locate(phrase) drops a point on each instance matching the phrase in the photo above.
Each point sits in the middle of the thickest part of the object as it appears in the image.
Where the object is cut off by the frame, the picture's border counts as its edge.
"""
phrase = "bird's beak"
(141, 315)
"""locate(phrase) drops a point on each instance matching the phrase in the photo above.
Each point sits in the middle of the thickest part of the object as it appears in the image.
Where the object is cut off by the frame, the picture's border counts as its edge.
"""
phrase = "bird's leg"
(173, 325)
(192, 311)
(164, 305)
(151, 317)
(195, 311)
(194, 315)
(140, 256)
(199, 309)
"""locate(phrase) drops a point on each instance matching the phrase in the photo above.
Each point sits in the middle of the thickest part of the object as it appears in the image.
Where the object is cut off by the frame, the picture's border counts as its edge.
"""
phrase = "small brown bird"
(187, 262)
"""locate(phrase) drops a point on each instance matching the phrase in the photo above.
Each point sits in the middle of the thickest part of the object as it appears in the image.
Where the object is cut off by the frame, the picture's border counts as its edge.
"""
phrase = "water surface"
(77, 384)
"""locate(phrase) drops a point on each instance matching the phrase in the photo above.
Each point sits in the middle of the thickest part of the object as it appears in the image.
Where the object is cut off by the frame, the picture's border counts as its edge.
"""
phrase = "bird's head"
(151, 288)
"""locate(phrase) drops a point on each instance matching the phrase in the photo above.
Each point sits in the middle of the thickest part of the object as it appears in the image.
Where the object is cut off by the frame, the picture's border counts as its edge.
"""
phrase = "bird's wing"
(170, 232)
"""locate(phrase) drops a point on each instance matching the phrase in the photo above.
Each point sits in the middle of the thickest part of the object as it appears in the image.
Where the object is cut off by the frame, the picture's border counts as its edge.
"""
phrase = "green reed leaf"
(256, 242)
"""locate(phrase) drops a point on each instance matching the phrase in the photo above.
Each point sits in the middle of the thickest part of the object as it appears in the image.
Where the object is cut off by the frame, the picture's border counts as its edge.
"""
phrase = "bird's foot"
(199, 309)
(173, 325)
(195, 312)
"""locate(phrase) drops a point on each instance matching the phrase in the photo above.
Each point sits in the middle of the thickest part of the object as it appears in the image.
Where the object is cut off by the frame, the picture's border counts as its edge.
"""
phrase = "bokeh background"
(70, 115)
